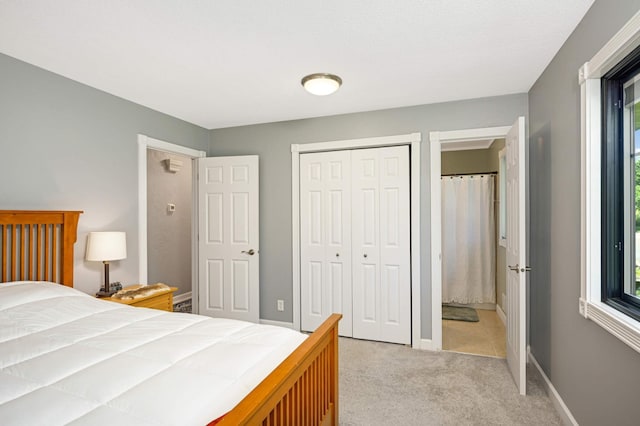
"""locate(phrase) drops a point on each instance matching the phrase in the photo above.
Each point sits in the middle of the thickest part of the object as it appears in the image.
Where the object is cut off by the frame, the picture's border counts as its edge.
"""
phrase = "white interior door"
(325, 239)
(516, 255)
(228, 238)
(381, 244)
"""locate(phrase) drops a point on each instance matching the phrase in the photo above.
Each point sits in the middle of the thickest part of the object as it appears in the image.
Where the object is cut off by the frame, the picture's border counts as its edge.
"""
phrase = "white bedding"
(68, 358)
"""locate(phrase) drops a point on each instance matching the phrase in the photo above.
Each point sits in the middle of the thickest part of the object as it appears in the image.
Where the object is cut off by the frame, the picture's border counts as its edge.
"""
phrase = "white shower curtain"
(468, 239)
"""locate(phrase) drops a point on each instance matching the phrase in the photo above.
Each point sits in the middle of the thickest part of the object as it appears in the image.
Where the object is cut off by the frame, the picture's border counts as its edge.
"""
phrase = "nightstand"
(162, 301)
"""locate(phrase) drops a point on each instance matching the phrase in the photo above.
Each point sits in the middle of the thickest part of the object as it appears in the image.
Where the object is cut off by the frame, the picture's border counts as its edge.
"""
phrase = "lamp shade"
(106, 246)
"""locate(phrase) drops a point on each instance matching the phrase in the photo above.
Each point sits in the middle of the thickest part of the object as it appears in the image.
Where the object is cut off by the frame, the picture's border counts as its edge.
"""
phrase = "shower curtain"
(468, 239)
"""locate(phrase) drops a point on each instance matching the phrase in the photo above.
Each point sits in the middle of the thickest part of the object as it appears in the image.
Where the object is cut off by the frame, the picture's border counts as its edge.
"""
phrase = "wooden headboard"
(38, 245)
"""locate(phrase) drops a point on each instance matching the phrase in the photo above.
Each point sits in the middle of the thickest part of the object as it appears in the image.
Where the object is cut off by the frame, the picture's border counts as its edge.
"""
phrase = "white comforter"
(68, 358)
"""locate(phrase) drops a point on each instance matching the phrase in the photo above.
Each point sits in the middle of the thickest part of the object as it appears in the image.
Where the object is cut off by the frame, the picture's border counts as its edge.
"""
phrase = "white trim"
(181, 297)
(436, 139)
(357, 143)
(435, 154)
(619, 46)
(416, 282)
(451, 137)
(590, 305)
(615, 322)
(467, 146)
(278, 323)
(411, 139)
(295, 243)
(554, 396)
(425, 345)
(144, 143)
(501, 314)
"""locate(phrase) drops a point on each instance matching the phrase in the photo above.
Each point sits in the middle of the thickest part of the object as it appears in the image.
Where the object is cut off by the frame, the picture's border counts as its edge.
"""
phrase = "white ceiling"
(222, 63)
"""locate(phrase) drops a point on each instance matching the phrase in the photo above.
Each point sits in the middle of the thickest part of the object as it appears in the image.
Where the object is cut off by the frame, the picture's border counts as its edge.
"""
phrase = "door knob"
(516, 268)
(337, 254)
(250, 252)
(365, 255)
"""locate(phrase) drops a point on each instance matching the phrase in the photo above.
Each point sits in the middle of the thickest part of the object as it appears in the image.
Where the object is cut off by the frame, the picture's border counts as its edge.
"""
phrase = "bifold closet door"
(380, 244)
(325, 239)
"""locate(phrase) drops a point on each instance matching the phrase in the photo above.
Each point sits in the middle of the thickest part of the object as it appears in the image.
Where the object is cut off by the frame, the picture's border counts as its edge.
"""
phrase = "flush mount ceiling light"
(321, 84)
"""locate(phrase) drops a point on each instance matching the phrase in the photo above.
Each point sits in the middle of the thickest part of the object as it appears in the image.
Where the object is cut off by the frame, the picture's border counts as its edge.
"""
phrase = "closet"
(355, 242)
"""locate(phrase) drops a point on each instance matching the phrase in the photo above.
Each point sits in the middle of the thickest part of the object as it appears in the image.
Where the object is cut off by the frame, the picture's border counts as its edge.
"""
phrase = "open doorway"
(515, 201)
(473, 260)
(167, 218)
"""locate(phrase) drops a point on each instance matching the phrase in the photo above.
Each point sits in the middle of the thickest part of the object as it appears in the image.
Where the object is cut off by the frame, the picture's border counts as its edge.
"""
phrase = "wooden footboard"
(302, 390)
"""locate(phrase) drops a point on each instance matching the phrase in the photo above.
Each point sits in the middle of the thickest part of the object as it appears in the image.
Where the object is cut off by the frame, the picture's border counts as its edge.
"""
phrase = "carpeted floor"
(386, 384)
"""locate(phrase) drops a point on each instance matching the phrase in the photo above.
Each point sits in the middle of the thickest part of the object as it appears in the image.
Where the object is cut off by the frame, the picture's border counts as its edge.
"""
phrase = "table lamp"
(105, 247)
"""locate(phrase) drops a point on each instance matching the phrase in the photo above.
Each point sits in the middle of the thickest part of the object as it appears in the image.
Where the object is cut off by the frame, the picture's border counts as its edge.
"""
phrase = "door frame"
(436, 140)
(413, 140)
(145, 143)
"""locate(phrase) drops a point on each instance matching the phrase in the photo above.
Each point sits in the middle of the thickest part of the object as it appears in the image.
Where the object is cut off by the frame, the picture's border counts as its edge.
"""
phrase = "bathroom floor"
(485, 337)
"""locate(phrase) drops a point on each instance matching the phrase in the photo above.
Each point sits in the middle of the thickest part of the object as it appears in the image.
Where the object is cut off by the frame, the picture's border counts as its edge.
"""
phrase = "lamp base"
(103, 293)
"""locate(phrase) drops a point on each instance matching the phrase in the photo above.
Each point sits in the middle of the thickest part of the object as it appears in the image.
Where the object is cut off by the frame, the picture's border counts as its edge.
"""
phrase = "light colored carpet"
(386, 384)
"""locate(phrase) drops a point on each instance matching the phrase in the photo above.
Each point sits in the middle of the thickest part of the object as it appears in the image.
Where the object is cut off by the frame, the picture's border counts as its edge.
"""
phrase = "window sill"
(620, 325)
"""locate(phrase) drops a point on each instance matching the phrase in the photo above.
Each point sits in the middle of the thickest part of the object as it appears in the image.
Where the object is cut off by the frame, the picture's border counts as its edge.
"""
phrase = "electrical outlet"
(280, 305)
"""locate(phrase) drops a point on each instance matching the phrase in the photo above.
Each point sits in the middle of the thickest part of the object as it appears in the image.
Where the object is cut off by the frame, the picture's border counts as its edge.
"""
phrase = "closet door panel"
(338, 235)
(366, 249)
(325, 246)
(395, 264)
(381, 242)
(311, 241)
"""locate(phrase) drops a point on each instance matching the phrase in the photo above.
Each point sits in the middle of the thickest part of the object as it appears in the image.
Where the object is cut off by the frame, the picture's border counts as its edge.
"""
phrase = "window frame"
(591, 304)
(614, 230)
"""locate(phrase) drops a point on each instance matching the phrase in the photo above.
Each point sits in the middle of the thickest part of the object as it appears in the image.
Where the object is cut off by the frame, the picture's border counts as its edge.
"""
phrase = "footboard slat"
(304, 387)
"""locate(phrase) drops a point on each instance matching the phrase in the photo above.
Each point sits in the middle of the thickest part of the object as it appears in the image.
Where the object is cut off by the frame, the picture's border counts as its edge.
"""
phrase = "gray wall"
(169, 233)
(272, 142)
(595, 373)
(64, 145)
(469, 161)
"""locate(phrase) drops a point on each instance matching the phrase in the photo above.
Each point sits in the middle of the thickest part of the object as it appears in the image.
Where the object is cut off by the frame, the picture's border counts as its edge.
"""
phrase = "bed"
(68, 358)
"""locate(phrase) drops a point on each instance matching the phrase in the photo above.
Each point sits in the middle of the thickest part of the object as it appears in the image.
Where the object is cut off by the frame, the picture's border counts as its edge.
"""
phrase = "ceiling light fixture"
(321, 84)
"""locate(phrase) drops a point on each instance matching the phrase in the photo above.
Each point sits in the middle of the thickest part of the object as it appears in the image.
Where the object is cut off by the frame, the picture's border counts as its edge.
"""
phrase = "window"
(502, 188)
(610, 221)
(621, 186)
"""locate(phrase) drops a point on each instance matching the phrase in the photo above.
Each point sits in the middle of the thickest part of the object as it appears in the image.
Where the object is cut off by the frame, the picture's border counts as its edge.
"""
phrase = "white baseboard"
(425, 345)
(181, 297)
(556, 399)
(501, 315)
(277, 323)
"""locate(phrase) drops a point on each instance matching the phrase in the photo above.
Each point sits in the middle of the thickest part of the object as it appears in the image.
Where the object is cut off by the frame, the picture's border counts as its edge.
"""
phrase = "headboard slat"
(3, 266)
(23, 251)
(46, 251)
(13, 253)
(38, 252)
(54, 263)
